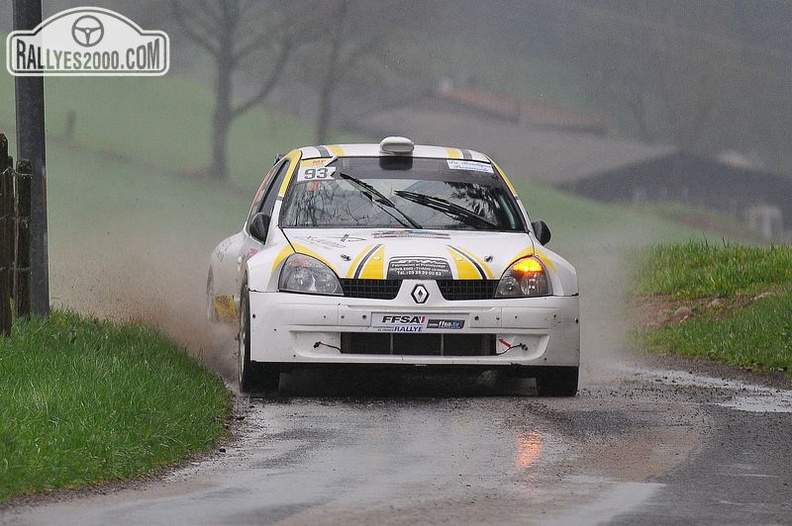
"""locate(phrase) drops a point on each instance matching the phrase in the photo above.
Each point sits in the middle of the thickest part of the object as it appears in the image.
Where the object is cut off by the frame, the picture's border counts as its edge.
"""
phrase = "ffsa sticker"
(399, 322)
(315, 173)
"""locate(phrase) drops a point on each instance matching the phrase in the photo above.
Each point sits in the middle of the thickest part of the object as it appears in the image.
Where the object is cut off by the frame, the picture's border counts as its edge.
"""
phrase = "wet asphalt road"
(639, 446)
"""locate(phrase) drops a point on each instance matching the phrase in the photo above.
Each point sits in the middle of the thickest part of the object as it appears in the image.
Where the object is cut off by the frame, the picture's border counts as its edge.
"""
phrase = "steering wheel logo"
(87, 31)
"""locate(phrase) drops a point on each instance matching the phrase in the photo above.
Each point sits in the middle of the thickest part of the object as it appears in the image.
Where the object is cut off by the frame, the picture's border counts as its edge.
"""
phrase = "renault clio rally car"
(395, 255)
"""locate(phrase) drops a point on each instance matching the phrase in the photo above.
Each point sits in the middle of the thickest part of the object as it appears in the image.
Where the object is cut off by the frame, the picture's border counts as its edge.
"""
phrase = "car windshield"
(362, 192)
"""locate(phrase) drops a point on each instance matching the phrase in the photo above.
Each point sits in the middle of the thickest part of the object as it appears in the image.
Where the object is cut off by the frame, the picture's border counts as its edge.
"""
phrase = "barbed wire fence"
(15, 212)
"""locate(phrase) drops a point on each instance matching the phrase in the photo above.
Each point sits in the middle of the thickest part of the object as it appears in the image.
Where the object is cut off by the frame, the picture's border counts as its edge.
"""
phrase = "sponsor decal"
(419, 268)
(471, 166)
(428, 234)
(86, 41)
(313, 163)
(323, 241)
(445, 324)
(398, 322)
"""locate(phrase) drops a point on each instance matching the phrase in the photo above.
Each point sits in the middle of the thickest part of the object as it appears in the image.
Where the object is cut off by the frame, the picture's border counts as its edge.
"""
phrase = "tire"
(252, 376)
(557, 381)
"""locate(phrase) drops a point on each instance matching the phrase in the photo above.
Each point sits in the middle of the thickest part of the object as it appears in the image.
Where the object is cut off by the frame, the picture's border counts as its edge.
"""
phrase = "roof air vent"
(396, 145)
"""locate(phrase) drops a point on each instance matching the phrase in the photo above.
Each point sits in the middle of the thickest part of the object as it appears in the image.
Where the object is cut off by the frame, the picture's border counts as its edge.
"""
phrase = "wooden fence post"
(22, 269)
(7, 237)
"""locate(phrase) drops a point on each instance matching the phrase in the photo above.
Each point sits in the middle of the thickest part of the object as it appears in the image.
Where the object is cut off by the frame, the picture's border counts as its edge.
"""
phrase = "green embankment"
(733, 303)
(86, 401)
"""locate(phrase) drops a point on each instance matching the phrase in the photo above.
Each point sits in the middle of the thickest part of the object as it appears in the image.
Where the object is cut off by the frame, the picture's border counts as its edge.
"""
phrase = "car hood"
(413, 254)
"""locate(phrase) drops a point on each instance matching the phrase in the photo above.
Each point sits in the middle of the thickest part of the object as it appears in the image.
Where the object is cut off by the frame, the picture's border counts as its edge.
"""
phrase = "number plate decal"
(315, 173)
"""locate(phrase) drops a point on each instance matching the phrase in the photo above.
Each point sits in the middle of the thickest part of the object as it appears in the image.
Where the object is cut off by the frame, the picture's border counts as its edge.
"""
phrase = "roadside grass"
(87, 401)
(736, 303)
(704, 270)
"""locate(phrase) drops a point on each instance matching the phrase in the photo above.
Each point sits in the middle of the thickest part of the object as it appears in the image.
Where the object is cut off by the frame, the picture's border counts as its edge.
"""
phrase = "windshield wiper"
(380, 199)
(446, 207)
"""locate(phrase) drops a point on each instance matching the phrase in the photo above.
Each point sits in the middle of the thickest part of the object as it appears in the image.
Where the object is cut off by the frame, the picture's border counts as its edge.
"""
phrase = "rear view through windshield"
(413, 193)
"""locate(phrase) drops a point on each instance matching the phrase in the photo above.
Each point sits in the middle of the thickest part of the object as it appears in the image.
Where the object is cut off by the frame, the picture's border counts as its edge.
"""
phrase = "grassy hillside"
(161, 124)
(728, 303)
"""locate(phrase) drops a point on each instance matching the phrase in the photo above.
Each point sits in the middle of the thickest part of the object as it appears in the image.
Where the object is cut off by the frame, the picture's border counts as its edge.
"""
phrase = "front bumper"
(307, 329)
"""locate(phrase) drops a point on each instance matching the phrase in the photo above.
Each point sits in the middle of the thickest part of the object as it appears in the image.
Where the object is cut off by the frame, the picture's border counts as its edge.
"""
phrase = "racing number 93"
(317, 173)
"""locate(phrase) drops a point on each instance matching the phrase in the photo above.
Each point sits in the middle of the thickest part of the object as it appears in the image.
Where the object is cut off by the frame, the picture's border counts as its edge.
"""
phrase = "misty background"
(710, 77)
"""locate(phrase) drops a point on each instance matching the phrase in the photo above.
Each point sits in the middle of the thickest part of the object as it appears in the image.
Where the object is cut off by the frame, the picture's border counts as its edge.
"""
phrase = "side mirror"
(259, 226)
(541, 231)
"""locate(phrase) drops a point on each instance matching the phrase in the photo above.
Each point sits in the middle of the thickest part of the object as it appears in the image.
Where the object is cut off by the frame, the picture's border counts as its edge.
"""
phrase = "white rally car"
(395, 255)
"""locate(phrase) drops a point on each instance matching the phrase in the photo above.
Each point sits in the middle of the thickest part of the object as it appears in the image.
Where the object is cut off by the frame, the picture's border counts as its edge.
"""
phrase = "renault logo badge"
(420, 294)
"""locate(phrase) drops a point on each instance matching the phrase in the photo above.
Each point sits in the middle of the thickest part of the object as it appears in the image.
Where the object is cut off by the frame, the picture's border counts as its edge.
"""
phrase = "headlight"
(526, 277)
(308, 275)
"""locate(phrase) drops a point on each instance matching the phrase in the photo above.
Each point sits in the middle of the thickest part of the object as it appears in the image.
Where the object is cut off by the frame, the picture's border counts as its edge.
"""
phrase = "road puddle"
(733, 394)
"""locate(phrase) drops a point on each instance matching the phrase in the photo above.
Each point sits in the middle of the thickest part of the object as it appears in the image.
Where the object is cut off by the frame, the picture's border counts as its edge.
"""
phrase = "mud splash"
(151, 278)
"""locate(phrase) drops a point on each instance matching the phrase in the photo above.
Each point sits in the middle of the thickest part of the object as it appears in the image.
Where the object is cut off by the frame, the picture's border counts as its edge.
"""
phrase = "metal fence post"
(31, 144)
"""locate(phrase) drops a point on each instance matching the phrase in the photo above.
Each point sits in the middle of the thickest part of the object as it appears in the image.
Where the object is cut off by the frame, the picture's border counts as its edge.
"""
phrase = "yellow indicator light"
(528, 265)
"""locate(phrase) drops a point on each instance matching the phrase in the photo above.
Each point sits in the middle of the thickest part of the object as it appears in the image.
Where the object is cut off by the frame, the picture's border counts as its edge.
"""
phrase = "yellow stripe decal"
(293, 157)
(505, 179)
(308, 252)
(286, 252)
(336, 150)
(374, 268)
(546, 260)
(524, 254)
(453, 153)
(465, 269)
(355, 262)
(477, 262)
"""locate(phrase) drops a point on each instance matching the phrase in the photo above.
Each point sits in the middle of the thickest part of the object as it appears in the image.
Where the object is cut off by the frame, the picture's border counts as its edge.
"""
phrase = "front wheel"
(252, 375)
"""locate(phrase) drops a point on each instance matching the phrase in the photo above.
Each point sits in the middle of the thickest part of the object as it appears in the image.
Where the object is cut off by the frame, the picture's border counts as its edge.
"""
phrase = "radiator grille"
(451, 289)
(440, 344)
(467, 289)
(375, 289)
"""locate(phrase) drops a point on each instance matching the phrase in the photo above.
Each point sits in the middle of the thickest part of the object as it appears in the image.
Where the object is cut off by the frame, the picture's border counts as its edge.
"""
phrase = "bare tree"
(360, 35)
(232, 31)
